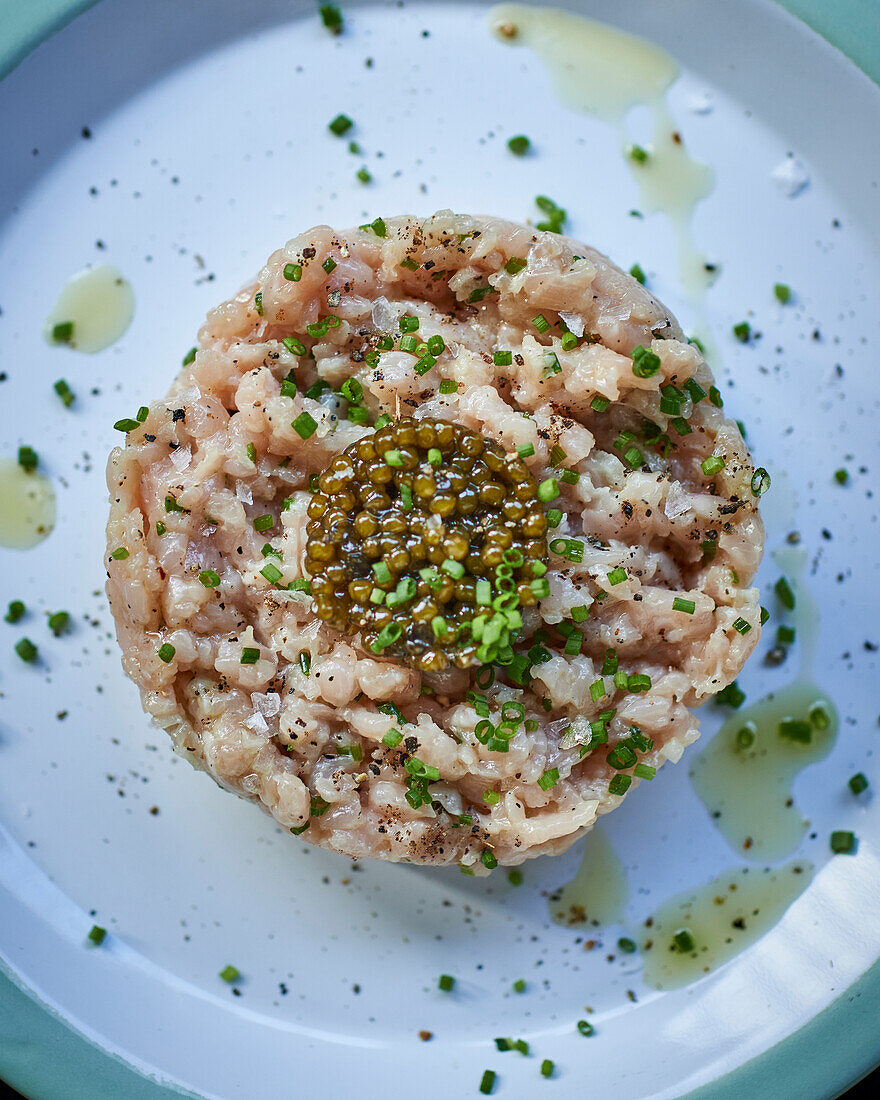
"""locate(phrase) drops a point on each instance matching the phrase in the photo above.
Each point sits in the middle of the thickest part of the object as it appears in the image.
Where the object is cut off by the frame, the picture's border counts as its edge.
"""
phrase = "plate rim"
(79, 1066)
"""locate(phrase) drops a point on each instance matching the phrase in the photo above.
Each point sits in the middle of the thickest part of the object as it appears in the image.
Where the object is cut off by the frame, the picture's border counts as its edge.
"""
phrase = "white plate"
(209, 141)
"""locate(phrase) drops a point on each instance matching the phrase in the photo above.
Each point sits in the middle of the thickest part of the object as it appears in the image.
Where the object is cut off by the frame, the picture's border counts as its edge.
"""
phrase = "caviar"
(427, 539)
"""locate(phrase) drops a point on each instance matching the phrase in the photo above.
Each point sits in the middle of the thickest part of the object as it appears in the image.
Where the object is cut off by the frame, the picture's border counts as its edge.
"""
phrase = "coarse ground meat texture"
(667, 549)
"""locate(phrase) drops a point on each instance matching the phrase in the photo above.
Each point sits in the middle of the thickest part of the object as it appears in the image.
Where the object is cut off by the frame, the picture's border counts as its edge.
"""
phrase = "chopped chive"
(526, 450)
(541, 323)
(258, 302)
(645, 362)
(97, 934)
(515, 265)
(305, 662)
(387, 636)
(305, 425)
(292, 272)
(784, 593)
(446, 982)
(448, 386)
(731, 696)
(696, 391)
(62, 333)
(160, 528)
(64, 392)
(782, 292)
(487, 1081)
(209, 578)
(681, 425)
(519, 986)
(599, 403)
(58, 623)
(120, 553)
(249, 655)
(622, 757)
(189, 357)
(858, 783)
(742, 626)
(272, 573)
(554, 517)
(423, 365)
(487, 858)
(568, 341)
(340, 125)
(712, 465)
(453, 568)
(843, 843)
(519, 145)
(479, 293)
(502, 358)
(617, 575)
(26, 649)
(644, 771)
(251, 451)
(597, 690)
(684, 940)
(409, 263)
(687, 606)
(408, 323)
(166, 652)
(263, 523)
(549, 779)
(15, 612)
(841, 476)
(331, 17)
(637, 273)
(294, 346)
(626, 945)
(547, 1068)
(127, 424)
(637, 153)
(584, 1027)
(409, 343)
(392, 738)
(742, 332)
(619, 784)
(717, 400)
(796, 730)
(229, 974)
(329, 264)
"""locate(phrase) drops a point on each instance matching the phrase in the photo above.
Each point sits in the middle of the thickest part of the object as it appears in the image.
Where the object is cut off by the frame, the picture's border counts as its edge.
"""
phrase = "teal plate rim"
(43, 1056)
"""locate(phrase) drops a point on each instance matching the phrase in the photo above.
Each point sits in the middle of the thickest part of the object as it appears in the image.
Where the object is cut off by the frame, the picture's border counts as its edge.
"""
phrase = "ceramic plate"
(182, 142)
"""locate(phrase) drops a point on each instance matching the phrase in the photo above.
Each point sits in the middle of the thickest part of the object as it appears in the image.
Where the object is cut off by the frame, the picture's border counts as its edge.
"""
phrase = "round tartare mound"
(437, 537)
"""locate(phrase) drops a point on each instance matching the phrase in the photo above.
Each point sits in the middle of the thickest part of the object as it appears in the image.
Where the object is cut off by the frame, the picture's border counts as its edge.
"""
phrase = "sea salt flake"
(791, 176)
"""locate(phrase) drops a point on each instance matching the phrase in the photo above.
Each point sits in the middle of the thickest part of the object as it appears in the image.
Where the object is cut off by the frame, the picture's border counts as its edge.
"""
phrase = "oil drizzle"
(27, 506)
(597, 894)
(744, 775)
(99, 303)
(602, 71)
(723, 917)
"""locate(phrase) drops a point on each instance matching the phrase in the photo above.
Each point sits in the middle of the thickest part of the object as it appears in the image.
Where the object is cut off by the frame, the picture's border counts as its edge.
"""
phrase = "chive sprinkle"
(26, 649)
(637, 153)
(743, 332)
(487, 1081)
(519, 145)
(166, 652)
(858, 783)
(687, 606)
(229, 974)
(209, 578)
(519, 986)
(331, 17)
(684, 940)
(448, 385)
(782, 292)
(62, 333)
(97, 934)
(637, 273)
(547, 1068)
(15, 612)
(446, 982)
(305, 425)
(340, 125)
(28, 458)
(64, 392)
(585, 1028)
(842, 842)
(249, 655)
(189, 357)
(59, 622)
(784, 593)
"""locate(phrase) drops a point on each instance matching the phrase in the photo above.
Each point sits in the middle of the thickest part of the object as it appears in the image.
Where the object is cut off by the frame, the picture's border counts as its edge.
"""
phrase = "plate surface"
(208, 149)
